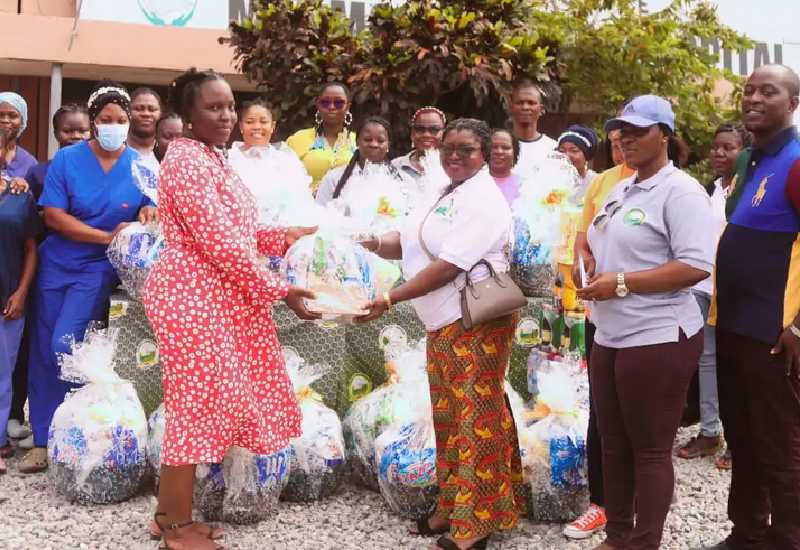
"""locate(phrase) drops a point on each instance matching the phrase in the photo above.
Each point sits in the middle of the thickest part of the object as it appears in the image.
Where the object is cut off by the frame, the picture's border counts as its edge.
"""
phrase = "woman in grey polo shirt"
(652, 241)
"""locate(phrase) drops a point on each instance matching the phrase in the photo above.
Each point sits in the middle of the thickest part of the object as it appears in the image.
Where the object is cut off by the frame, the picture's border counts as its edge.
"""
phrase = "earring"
(189, 126)
(348, 118)
(318, 118)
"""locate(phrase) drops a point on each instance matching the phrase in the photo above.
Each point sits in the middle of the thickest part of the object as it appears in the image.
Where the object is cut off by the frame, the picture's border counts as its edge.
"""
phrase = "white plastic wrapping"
(156, 426)
(244, 489)
(398, 401)
(318, 456)
(545, 221)
(553, 448)
(133, 252)
(406, 457)
(136, 248)
(344, 275)
(98, 437)
(376, 199)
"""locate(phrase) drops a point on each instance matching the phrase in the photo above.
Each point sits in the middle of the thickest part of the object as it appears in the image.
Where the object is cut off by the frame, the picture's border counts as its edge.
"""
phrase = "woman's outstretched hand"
(375, 309)
(295, 233)
(296, 300)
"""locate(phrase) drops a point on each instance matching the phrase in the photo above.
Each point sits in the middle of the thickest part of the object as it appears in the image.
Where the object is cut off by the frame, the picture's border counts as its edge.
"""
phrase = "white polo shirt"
(468, 225)
(718, 199)
(664, 218)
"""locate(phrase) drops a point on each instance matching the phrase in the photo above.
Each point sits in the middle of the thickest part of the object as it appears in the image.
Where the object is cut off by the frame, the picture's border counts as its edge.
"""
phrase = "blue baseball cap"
(644, 111)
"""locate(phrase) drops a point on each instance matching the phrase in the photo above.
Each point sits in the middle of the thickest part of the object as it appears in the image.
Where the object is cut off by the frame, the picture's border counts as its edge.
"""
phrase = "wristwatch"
(622, 290)
(795, 330)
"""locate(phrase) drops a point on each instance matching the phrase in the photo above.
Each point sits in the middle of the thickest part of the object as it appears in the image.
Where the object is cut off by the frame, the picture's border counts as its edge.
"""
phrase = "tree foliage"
(462, 56)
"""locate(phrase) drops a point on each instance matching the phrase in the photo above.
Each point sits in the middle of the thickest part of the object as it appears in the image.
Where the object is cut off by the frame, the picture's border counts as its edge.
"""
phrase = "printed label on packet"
(118, 310)
(146, 354)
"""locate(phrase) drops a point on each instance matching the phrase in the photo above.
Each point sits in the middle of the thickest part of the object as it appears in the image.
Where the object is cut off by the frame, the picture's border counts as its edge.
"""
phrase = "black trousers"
(594, 452)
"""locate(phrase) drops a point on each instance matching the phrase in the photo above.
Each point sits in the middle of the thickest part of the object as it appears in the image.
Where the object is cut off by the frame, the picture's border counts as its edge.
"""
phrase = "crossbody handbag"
(486, 300)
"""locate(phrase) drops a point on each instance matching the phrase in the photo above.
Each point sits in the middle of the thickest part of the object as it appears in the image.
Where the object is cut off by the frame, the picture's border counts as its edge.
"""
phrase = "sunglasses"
(337, 104)
(461, 152)
(424, 129)
(602, 219)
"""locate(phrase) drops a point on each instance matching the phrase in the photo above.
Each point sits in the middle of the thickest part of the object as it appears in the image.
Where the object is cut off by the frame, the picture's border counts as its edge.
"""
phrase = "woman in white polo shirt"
(477, 462)
(652, 241)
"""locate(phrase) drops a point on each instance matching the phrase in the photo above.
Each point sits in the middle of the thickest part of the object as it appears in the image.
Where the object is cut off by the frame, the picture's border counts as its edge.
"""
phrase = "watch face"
(622, 291)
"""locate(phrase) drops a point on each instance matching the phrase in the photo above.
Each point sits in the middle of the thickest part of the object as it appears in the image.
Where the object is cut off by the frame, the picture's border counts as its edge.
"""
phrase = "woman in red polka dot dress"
(209, 300)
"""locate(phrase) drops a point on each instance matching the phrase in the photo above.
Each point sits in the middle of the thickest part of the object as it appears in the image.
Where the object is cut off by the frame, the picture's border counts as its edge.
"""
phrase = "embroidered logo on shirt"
(761, 191)
(634, 216)
(445, 210)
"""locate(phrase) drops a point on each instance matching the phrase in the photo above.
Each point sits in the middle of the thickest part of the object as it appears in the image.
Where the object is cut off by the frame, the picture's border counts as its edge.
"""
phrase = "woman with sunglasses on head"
(329, 143)
(427, 125)
(477, 461)
(372, 141)
(652, 241)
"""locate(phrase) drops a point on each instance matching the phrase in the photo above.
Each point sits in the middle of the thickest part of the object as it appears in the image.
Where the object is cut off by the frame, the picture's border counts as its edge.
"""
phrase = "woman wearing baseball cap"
(651, 242)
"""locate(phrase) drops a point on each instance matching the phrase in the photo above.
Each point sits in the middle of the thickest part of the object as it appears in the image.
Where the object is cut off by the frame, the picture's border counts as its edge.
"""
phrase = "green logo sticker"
(634, 216)
(146, 354)
(528, 333)
(359, 386)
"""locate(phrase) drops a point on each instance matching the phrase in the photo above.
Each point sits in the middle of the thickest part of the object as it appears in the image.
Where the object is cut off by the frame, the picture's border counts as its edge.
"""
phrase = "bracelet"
(795, 330)
(380, 243)
(388, 300)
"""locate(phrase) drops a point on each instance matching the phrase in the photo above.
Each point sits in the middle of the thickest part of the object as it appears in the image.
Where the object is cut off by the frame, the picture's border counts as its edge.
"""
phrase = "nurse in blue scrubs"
(89, 195)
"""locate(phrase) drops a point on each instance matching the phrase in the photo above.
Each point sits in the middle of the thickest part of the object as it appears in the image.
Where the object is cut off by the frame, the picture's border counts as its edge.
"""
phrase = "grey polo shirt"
(666, 217)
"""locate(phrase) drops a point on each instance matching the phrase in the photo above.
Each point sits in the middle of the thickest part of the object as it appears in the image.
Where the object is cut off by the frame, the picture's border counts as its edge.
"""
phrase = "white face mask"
(111, 136)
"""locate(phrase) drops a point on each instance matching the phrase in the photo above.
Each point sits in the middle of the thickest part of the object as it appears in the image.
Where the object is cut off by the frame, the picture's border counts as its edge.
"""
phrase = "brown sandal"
(724, 461)
(174, 527)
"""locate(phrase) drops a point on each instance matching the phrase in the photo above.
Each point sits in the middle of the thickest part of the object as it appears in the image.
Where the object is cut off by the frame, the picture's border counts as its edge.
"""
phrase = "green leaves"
(589, 55)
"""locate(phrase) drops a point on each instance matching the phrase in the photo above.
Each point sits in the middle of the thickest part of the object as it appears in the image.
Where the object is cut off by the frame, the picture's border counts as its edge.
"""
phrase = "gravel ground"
(35, 518)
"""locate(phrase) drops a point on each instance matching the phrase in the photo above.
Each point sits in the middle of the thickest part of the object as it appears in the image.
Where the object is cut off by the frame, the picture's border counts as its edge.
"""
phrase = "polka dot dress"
(209, 300)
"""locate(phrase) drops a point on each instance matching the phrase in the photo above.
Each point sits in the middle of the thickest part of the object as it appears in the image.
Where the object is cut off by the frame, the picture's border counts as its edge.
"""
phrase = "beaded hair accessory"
(107, 90)
(428, 109)
(575, 135)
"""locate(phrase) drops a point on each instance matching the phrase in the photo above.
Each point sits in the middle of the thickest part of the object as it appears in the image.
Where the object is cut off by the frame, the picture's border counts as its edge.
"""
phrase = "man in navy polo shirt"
(758, 326)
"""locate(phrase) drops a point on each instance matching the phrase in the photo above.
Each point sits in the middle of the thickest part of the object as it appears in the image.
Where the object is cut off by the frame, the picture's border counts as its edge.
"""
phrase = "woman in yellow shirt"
(329, 143)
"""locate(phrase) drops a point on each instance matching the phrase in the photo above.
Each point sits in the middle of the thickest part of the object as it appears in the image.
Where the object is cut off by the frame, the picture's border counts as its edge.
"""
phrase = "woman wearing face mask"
(168, 128)
(373, 146)
(329, 143)
(505, 154)
(255, 159)
(89, 195)
(427, 126)
(652, 241)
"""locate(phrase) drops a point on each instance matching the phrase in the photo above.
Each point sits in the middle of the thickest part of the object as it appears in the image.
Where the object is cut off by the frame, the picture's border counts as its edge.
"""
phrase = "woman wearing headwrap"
(89, 196)
(14, 119)
(579, 144)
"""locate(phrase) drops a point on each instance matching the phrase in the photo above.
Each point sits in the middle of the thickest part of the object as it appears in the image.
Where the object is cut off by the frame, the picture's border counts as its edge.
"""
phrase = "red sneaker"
(589, 523)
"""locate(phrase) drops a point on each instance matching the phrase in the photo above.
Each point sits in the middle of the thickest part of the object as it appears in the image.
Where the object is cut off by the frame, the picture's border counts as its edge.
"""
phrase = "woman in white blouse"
(259, 162)
(477, 462)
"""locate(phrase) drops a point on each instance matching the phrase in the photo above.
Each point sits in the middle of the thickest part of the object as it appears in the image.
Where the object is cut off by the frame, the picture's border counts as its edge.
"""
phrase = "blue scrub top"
(23, 161)
(77, 184)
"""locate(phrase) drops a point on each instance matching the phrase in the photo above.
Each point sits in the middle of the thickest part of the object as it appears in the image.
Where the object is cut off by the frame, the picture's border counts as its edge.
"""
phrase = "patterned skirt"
(477, 459)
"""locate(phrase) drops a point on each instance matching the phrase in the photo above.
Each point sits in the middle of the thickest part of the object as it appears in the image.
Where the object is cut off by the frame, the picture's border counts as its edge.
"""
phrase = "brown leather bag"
(481, 301)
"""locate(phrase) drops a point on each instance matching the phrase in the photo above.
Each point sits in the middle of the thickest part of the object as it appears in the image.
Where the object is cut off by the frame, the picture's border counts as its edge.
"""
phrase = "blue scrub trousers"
(10, 337)
(64, 303)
